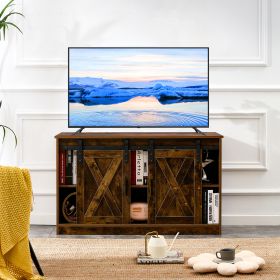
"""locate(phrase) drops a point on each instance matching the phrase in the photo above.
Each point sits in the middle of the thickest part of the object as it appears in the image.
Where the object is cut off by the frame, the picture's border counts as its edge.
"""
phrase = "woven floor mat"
(102, 259)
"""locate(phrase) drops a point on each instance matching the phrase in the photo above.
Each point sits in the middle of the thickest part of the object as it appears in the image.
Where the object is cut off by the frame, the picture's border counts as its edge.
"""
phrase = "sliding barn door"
(175, 176)
(100, 187)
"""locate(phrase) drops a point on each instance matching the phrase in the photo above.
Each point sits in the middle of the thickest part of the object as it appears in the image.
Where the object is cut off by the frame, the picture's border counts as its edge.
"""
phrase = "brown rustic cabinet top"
(133, 135)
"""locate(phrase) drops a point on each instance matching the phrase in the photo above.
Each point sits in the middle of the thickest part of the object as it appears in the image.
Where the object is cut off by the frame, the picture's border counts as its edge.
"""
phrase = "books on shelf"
(139, 167)
(133, 167)
(68, 167)
(216, 201)
(69, 159)
(145, 167)
(62, 167)
(74, 167)
(173, 257)
(204, 206)
(210, 206)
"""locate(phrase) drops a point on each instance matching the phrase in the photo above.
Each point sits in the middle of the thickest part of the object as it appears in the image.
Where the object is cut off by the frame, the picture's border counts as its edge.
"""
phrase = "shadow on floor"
(227, 232)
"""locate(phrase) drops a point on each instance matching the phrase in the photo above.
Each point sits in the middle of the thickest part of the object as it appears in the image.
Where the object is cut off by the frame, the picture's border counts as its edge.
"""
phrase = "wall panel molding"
(263, 29)
(245, 88)
(20, 118)
(227, 166)
(261, 117)
(213, 88)
(263, 42)
(27, 91)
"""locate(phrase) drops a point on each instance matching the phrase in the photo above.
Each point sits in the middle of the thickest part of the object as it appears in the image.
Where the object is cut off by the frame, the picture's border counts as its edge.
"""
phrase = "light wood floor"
(227, 232)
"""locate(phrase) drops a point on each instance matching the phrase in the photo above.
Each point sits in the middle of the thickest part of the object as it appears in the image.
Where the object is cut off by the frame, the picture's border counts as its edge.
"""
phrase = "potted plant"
(5, 22)
(6, 128)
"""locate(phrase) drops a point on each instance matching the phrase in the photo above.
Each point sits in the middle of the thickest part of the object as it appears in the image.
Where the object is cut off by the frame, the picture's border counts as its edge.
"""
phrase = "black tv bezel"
(135, 48)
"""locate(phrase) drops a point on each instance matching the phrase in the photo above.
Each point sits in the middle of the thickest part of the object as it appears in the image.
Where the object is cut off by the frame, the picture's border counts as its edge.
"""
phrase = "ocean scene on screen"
(138, 87)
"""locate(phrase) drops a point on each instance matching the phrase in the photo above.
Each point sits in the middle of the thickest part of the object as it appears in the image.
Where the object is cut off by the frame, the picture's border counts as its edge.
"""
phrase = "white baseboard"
(259, 220)
(43, 219)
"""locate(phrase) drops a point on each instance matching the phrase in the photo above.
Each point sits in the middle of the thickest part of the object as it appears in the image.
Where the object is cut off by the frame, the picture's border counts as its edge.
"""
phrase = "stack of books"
(173, 257)
(139, 167)
(68, 167)
(210, 206)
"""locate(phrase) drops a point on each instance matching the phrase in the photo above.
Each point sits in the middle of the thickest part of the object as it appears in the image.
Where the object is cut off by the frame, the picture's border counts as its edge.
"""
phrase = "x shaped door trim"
(103, 183)
(174, 186)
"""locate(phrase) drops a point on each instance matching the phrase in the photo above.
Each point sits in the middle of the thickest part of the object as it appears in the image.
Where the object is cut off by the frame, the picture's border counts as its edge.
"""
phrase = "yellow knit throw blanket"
(15, 207)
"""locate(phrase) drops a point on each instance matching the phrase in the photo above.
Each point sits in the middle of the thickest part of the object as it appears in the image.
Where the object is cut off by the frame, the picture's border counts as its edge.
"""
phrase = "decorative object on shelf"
(244, 262)
(205, 162)
(69, 209)
(139, 211)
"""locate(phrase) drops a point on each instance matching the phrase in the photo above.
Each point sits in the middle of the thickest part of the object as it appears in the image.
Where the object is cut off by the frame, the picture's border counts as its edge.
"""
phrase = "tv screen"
(138, 87)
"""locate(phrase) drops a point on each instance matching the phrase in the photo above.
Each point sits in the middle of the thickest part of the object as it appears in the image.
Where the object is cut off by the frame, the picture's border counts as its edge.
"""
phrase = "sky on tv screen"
(138, 87)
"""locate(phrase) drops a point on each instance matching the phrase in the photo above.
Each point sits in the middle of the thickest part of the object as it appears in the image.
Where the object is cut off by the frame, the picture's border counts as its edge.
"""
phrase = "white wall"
(244, 41)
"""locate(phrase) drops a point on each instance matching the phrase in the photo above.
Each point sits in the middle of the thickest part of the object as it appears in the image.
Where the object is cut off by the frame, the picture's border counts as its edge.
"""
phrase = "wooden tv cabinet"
(96, 199)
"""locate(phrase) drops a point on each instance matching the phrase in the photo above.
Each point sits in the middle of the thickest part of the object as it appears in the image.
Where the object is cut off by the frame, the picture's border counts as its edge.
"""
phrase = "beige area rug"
(107, 259)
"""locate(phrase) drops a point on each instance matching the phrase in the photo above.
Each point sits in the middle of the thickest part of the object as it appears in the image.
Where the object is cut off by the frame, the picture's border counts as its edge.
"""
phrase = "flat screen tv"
(138, 87)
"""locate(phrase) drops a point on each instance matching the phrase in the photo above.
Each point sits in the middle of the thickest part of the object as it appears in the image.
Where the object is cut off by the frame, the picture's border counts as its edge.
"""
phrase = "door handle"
(126, 187)
(150, 188)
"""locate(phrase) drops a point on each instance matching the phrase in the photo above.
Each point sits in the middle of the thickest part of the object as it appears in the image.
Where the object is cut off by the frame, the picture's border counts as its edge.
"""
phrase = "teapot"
(157, 246)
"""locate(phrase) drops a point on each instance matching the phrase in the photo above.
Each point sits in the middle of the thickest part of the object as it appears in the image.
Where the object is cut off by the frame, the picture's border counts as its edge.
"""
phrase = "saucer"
(216, 260)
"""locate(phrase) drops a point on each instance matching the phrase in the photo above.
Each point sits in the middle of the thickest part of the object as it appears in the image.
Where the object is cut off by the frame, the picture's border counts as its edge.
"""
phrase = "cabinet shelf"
(139, 186)
(67, 186)
(209, 185)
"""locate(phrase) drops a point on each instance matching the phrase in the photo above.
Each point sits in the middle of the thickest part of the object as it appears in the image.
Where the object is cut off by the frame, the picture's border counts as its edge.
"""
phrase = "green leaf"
(10, 14)
(6, 7)
(10, 23)
(4, 27)
(6, 127)
(3, 19)
(4, 32)
(4, 133)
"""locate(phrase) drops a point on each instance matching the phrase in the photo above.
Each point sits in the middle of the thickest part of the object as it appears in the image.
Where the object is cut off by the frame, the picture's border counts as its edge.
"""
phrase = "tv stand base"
(79, 130)
(198, 131)
(103, 165)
